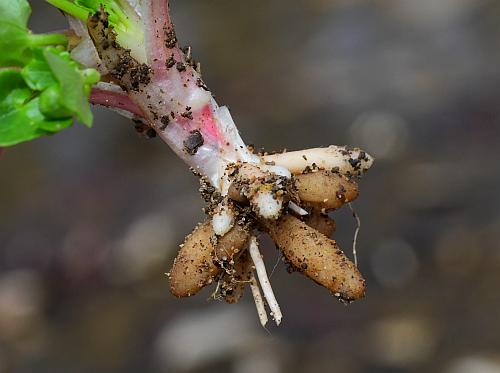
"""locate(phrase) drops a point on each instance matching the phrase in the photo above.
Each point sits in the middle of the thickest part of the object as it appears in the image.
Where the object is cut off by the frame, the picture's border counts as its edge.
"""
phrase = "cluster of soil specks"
(129, 74)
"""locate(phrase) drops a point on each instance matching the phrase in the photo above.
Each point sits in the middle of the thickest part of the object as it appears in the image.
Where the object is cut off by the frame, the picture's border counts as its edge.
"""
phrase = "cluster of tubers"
(301, 233)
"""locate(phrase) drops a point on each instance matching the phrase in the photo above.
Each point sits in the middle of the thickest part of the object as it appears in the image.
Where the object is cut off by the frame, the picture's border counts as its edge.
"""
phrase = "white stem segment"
(259, 302)
(264, 280)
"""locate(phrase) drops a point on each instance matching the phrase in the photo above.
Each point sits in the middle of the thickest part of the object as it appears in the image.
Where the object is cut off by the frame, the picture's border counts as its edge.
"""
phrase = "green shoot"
(41, 87)
(122, 18)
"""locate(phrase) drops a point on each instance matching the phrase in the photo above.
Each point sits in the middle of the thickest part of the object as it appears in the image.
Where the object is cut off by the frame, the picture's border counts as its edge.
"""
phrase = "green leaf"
(14, 41)
(25, 122)
(10, 80)
(15, 11)
(52, 105)
(37, 73)
(73, 84)
(14, 44)
(20, 117)
(54, 126)
(49, 90)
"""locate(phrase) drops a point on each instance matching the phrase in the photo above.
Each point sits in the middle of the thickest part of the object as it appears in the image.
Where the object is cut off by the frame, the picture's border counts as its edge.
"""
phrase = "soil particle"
(140, 126)
(165, 120)
(355, 163)
(150, 133)
(188, 114)
(140, 74)
(170, 37)
(201, 84)
(193, 142)
(170, 62)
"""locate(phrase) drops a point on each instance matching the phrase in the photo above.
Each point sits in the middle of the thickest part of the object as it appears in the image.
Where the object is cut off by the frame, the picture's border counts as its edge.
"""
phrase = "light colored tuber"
(321, 222)
(325, 189)
(233, 284)
(200, 258)
(317, 257)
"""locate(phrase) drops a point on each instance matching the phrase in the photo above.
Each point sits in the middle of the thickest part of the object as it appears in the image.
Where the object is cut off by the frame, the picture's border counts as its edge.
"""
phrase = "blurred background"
(90, 220)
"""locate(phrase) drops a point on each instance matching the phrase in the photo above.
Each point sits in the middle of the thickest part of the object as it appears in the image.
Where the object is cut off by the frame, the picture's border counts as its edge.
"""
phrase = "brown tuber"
(325, 189)
(321, 222)
(317, 257)
(200, 258)
(233, 284)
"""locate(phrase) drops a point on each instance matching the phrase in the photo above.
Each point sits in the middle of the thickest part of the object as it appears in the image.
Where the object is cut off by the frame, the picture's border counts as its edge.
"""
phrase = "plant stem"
(70, 8)
(114, 100)
(41, 40)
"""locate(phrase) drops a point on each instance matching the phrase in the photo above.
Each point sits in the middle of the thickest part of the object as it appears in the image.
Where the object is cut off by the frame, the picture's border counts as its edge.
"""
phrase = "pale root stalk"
(264, 280)
(259, 302)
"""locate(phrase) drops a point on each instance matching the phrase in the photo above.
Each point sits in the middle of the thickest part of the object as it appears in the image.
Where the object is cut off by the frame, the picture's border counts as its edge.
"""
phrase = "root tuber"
(318, 257)
(202, 257)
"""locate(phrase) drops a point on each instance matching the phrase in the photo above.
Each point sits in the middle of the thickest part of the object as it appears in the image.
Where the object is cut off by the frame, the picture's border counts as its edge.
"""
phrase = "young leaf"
(50, 89)
(16, 12)
(20, 117)
(37, 73)
(73, 83)
(14, 43)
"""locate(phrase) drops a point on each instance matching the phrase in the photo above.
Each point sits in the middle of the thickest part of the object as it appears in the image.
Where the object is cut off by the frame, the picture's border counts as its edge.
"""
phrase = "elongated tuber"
(233, 284)
(325, 189)
(321, 222)
(318, 257)
(202, 256)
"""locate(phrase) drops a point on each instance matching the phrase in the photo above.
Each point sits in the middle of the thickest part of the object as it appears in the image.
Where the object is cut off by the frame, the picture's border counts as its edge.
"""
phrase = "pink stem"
(114, 100)
(178, 78)
(161, 42)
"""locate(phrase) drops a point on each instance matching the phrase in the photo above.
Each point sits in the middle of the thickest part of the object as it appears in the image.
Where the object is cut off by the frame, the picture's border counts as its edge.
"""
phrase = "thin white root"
(259, 302)
(356, 232)
(346, 160)
(297, 209)
(264, 280)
